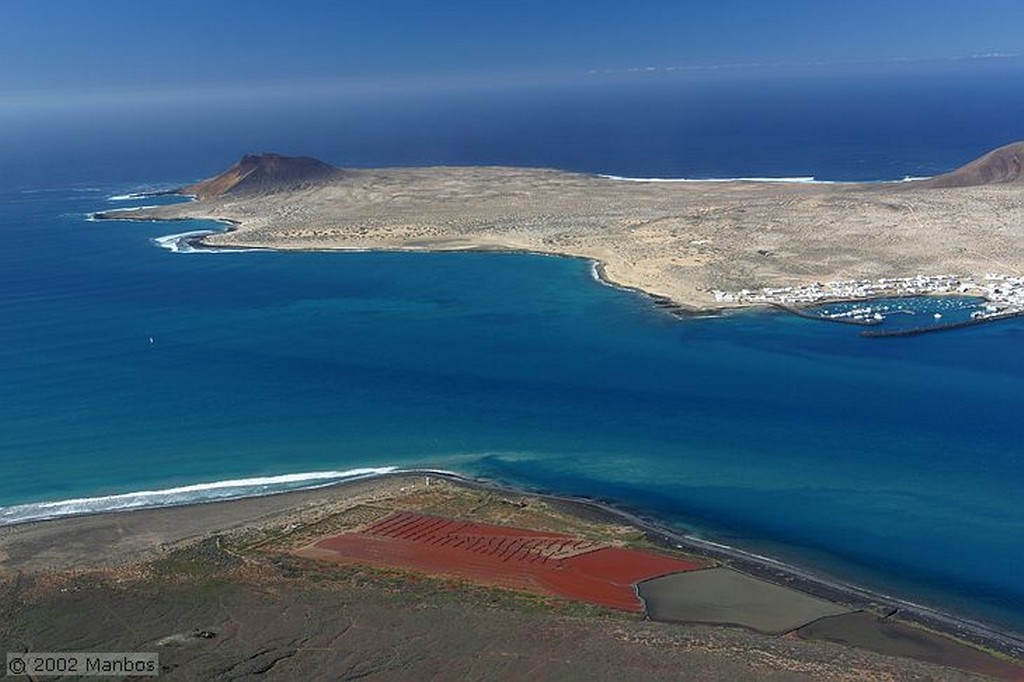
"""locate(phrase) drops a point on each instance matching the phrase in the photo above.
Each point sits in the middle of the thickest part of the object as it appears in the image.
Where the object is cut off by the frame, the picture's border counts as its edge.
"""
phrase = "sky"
(54, 47)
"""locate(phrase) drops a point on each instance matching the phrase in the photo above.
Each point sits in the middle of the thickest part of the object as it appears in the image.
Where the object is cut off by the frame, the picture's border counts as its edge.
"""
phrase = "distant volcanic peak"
(265, 174)
(276, 161)
(1001, 166)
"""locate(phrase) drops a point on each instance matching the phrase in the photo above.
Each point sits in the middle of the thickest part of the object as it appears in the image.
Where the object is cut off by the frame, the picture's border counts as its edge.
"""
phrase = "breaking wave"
(800, 180)
(186, 242)
(796, 180)
(182, 495)
(130, 197)
(182, 242)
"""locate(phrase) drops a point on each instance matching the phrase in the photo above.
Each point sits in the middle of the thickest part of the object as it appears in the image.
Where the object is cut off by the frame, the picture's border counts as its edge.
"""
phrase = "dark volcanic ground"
(208, 628)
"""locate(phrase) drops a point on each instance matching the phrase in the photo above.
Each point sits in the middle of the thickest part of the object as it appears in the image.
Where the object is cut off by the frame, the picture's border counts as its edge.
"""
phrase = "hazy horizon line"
(391, 85)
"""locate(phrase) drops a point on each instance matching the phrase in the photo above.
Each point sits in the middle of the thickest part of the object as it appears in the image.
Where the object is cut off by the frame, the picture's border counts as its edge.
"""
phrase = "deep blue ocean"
(897, 464)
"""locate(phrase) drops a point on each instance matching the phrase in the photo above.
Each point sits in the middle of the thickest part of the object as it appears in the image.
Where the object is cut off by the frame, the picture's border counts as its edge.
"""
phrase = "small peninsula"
(703, 245)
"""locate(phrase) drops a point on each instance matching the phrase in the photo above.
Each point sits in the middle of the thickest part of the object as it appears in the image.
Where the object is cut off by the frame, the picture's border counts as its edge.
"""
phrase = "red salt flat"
(518, 558)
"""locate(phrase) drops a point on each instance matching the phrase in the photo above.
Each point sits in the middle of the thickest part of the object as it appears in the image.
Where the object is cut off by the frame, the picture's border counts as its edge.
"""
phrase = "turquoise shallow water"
(893, 463)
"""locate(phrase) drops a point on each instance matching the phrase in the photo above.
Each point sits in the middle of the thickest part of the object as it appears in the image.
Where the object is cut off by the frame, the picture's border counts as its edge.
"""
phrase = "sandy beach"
(163, 560)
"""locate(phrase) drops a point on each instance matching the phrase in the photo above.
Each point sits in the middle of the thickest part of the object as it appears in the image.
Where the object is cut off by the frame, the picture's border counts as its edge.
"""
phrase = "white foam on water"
(182, 495)
(182, 243)
(155, 191)
(794, 180)
(138, 208)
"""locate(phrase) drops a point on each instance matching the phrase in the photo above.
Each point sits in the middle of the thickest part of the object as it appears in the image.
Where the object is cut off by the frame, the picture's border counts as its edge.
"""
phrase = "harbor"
(967, 300)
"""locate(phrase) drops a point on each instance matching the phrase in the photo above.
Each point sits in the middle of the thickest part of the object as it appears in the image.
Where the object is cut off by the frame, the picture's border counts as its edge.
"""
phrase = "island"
(695, 246)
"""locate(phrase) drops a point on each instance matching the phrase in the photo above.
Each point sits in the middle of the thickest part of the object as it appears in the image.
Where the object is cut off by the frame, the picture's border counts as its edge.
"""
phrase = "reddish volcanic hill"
(263, 174)
(999, 167)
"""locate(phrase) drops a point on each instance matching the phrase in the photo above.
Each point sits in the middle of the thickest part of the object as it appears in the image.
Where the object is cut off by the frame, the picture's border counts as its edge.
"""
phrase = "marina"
(955, 301)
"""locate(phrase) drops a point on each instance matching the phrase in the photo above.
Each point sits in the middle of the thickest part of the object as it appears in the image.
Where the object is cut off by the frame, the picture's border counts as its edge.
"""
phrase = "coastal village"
(1003, 294)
